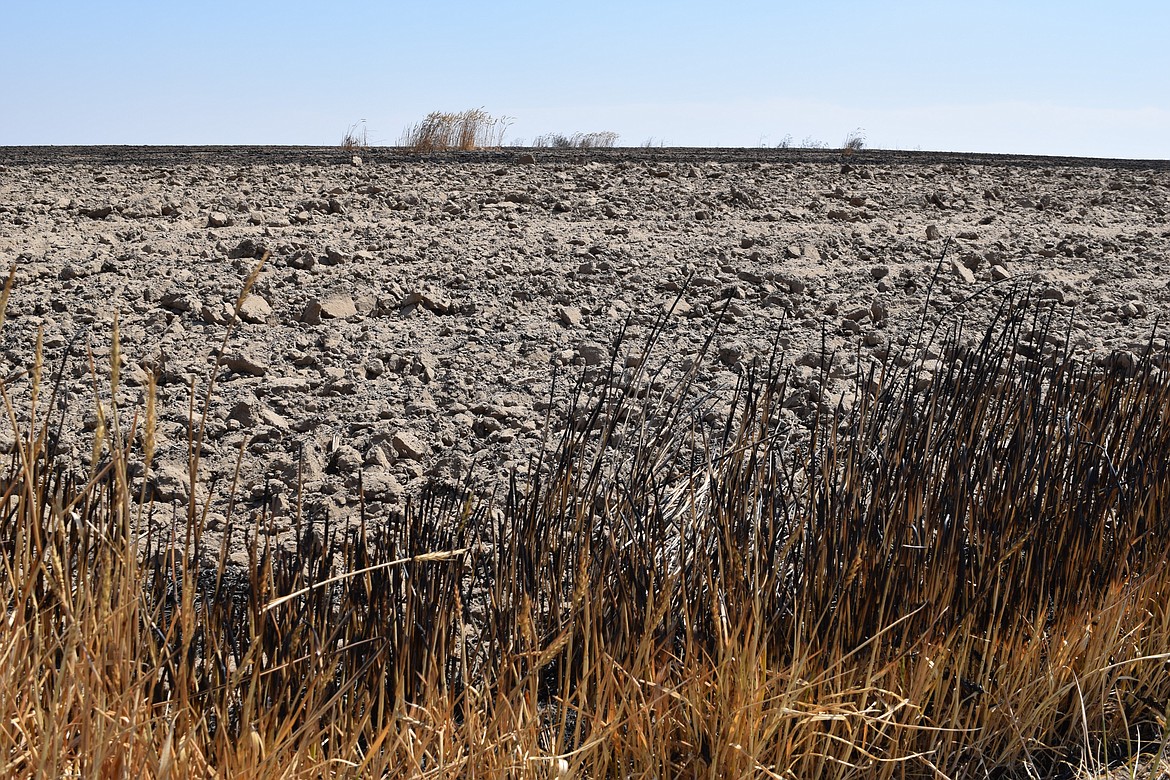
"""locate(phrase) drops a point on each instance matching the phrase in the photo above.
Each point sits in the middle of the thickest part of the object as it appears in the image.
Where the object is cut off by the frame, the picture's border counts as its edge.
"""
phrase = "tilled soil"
(408, 324)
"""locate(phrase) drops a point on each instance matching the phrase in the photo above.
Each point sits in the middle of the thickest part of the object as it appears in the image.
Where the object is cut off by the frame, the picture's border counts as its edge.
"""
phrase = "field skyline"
(1063, 79)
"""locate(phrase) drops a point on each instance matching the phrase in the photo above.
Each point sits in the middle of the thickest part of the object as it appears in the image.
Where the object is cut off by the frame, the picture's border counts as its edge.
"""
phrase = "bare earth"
(408, 324)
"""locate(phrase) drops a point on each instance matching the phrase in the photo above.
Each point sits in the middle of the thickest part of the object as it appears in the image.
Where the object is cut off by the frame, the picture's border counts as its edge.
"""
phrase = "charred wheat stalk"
(969, 572)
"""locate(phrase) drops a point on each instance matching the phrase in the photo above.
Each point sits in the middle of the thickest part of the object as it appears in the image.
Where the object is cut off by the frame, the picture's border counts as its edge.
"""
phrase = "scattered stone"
(422, 404)
(999, 273)
(180, 301)
(932, 233)
(570, 316)
(972, 260)
(429, 301)
(255, 309)
(407, 445)
(171, 482)
(98, 212)
(858, 314)
(217, 219)
(425, 366)
(812, 359)
(246, 363)
(485, 426)
(245, 413)
(73, 271)
(375, 367)
(287, 385)
(338, 306)
(1122, 361)
(962, 272)
(380, 485)
(1052, 294)
(452, 467)
(247, 248)
(334, 257)
(730, 354)
(346, 459)
(302, 260)
(592, 353)
(274, 420)
(795, 284)
(216, 313)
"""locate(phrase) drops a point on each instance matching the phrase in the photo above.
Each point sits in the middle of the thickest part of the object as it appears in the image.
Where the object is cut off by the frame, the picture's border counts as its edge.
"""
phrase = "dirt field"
(409, 322)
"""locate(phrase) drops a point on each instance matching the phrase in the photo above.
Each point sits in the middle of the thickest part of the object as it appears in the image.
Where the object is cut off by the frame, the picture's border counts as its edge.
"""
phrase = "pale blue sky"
(1041, 77)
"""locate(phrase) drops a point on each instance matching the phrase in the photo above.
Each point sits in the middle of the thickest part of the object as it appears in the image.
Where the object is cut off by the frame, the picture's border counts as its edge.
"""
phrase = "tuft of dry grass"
(964, 577)
(605, 139)
(355, 138)
(462, 131)
(854, 142)
(808, 142)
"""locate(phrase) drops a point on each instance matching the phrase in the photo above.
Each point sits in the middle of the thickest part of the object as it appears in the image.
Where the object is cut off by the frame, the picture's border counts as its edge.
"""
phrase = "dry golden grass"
(356, 138)
(964, 580)
(462, 131)
(605, 139)
(854, 142)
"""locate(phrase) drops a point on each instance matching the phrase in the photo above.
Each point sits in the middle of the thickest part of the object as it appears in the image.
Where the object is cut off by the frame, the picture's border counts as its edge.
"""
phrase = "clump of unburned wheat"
(605, 139)
(460, 131)
(854, 142)
(355, 139)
